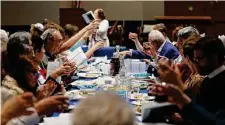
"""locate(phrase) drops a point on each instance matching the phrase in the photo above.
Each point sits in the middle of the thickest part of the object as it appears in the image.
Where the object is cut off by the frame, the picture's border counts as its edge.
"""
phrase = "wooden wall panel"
(200, 8)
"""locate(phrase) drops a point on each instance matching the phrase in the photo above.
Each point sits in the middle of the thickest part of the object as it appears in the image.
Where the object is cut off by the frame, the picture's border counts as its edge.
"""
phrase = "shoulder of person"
(6, 94)
(105, 21)
(11, 84)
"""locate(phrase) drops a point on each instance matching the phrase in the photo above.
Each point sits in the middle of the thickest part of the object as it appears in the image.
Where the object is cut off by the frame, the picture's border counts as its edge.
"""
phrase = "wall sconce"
(190, 8)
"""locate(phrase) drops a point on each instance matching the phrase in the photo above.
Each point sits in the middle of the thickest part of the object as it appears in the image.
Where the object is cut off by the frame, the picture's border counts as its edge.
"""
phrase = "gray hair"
(47, 34)
(4, 40)
(187, 31)
(156, 36)
(103, 109)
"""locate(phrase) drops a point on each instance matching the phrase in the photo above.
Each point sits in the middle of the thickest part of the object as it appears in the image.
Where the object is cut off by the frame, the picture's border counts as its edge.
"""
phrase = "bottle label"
(112, 69)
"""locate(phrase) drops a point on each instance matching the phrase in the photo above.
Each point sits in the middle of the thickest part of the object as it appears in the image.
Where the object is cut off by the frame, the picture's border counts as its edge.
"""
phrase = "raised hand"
(149, 49)
(170, 73)
(99, 45)
(133, 36)
(174, 93)
(124, 53)
(17, 106)
(64, 69)
(51, 104)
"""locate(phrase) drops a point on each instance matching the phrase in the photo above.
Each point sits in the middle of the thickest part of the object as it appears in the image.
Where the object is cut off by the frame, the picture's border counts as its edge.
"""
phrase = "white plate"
(75, 94)
(141, 96)
(88, 75)
(72, 106)
(83, 82)
(139, 102)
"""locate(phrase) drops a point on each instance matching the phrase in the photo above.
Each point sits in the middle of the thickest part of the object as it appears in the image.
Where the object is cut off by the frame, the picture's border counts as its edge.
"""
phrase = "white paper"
(51, 67)
(77, 56)
(135, 66)
(63, 119)
(147, 28)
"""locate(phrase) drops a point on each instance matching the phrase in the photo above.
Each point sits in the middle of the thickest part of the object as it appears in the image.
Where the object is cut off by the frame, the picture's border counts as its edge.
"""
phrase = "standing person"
(101, 33)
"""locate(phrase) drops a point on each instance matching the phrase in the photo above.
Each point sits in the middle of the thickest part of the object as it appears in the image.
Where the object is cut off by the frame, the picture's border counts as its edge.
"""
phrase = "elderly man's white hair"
(156, 36)
(4, 39)
(103, 109)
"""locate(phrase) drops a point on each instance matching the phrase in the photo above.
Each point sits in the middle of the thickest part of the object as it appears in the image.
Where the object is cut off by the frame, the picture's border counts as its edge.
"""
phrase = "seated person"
(27, 111)
(184, 33)
(103, 109)
(53, 40)
(70, 30)
(38, 47)
(161, 28)
(207, 107)
(37, 29)
(157, 48)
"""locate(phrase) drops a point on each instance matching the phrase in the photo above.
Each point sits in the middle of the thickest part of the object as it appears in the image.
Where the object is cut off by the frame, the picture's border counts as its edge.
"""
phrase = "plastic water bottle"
(122, 67)
(122, 87)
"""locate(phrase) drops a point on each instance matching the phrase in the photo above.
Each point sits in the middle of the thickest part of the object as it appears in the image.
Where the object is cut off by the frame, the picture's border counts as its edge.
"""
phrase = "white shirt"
(26, 119)
(101, 34)
(216, 71)
(161, 47)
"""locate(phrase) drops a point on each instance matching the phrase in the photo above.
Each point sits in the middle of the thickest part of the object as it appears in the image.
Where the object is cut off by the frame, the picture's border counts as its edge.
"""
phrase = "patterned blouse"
(9, 88)
(193, 84)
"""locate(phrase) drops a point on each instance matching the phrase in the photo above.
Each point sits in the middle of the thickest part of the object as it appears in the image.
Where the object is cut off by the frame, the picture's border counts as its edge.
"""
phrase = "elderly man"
(160, 27)
(53, 44)
(156, 48)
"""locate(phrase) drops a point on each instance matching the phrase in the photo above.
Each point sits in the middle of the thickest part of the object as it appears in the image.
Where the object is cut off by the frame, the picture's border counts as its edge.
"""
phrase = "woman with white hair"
(103, 109)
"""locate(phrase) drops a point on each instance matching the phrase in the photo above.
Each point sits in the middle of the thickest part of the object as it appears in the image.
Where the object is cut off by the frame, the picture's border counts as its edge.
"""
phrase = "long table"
(74, 103)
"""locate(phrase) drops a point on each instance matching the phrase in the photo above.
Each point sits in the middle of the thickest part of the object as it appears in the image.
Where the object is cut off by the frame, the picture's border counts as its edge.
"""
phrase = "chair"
(84, 48)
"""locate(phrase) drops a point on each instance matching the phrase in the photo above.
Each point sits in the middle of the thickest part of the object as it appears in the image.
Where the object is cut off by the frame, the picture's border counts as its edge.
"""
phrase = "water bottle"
(122, 67)
(121, 87)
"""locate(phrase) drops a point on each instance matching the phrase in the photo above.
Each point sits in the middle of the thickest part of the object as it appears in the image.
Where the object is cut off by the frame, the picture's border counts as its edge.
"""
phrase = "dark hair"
(188, 50)
(160, 27)
(49, 24)
(174, 33)
(19, 68)
(211, 46)
(101, 14)
(37, 43)
(19, 44)
(70, 30)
